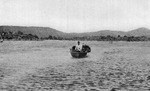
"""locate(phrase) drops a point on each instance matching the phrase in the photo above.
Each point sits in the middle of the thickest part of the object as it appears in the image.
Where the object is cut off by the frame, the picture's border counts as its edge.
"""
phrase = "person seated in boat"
(78, 47)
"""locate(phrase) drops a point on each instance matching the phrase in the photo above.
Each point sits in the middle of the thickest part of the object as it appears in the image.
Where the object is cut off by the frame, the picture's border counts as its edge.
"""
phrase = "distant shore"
(46, 33)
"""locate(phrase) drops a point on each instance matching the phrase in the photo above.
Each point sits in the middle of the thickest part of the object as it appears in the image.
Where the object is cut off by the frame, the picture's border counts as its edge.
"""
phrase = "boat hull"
(76, 54)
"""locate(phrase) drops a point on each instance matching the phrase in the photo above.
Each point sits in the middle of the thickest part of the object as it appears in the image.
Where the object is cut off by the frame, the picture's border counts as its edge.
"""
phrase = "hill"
(105, 33)
(136, 32)
(140, 32)
(43, 32)
(39, 31)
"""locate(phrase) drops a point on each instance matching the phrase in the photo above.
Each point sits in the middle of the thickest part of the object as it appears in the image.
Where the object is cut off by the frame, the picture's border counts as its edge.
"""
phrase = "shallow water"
(20, 58)
(42, 53)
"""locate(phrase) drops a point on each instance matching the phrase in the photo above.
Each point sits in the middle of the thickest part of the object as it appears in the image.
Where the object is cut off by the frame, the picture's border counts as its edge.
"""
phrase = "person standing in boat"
(78, 47)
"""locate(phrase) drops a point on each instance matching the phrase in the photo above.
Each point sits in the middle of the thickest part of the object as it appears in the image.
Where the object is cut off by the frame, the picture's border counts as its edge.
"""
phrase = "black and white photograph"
(74, 45)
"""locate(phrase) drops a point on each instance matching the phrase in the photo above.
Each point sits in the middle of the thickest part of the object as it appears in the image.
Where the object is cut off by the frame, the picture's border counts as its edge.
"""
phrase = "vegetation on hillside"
(112, 38)
(17, 36)
(21, 36)
(38, 33)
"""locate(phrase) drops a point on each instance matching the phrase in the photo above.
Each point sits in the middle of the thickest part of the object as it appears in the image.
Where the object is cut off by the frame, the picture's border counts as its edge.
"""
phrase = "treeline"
(22, 36)
(104, 38)
(17, 36)
(112, 38)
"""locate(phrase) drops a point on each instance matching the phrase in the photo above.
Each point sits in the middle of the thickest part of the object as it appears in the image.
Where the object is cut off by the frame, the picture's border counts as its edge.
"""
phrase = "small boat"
(80, 54)
(77, 54)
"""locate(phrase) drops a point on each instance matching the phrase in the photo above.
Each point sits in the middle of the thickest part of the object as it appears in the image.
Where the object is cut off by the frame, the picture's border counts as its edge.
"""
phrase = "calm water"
(22, 59)
(35, 54)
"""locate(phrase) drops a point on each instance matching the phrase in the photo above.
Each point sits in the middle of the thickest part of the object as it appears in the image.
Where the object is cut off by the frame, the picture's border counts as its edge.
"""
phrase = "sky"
(77, 15)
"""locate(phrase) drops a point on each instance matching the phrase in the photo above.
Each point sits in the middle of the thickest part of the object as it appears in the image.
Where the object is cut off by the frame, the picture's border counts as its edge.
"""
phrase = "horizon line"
(72, 32)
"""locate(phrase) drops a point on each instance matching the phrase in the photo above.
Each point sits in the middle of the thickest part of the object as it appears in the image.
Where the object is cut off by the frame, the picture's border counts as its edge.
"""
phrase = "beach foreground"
(48, 66)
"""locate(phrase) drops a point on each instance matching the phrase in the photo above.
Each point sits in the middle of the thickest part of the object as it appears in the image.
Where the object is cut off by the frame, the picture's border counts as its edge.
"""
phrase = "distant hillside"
(99, 33)
(46, 31)
(39, 31)
(136, 32)
(140, 32)
(106, 33)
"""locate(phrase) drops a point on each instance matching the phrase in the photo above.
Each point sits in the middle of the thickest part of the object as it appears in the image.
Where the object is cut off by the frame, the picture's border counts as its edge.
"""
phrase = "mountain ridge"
(47, 31)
